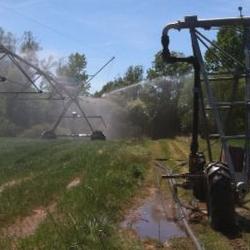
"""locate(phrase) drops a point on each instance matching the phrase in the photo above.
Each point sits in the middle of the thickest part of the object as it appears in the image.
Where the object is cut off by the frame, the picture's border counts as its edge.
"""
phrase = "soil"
(13, 183)
(74, 183)
(24, 227)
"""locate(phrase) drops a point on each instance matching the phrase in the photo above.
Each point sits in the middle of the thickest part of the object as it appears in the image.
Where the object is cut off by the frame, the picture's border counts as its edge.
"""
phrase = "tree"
(29, 43)
(139, 115)
(75, 70)
(160, 68)
(185, 104)
(230, 39)
(155, 109)
(29, 47)
(133, 74)
(7, 39)
(153, 106)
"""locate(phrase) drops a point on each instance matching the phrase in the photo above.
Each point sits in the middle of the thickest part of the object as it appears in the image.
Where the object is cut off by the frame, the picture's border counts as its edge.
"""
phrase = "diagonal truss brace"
(76, 101)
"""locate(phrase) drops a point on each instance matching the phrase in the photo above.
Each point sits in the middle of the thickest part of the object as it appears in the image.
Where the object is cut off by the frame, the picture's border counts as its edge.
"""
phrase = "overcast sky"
(130, 30)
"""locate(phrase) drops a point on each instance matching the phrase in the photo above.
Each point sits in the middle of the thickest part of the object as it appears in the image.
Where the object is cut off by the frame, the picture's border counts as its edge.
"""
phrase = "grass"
(87, 216)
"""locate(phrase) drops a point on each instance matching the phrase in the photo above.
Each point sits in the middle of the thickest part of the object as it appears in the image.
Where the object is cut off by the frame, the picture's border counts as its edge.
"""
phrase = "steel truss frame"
(59, 92)
(74, 99)
(37, 74)
(197, 38)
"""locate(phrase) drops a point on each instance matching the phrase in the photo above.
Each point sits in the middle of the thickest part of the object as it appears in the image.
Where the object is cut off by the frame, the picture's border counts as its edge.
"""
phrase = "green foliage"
(75, 70)
(152, 107)
(230, 39)
(29, 48)
(8, 39)
(29, 43)
(138, 114)
(159, 68)
(133, 74)
(109, 86)
(155, 109)
(185, 103)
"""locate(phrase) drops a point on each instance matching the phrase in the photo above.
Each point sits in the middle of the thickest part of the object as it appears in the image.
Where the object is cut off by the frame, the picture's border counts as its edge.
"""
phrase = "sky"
(130, 30)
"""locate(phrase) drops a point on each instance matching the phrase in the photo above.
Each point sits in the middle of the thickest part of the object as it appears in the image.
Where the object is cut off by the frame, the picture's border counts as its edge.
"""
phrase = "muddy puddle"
(155, 218)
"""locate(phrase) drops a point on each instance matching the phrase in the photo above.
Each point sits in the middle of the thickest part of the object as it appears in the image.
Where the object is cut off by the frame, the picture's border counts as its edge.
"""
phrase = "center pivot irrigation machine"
(74, 99)
(31, 79)
(222, 182)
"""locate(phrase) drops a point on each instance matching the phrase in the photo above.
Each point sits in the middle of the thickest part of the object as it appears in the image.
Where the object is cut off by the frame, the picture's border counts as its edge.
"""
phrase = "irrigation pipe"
(166, 215)
(172, 184)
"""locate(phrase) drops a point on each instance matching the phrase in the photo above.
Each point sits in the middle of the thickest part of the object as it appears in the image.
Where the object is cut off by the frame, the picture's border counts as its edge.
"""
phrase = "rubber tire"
(98, 135)
(196, 166)
(220, 200)
(200, 189)
(50, 135)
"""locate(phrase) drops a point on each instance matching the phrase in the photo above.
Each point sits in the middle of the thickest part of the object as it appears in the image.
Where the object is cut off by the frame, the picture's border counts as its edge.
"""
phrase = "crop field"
(73, 194)
(117, 133)
(67, 194)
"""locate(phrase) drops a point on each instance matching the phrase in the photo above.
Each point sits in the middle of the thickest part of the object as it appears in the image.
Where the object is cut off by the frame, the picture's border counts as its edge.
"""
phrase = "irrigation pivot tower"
(225, 181)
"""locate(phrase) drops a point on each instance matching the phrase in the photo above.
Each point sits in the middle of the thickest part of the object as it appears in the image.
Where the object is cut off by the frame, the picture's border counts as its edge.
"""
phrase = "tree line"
(163, 107)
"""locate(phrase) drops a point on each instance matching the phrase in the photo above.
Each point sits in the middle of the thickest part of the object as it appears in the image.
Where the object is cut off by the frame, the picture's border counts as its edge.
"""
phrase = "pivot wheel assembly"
(220, 197)
(97, 135)
(48, 134)
(196, 167)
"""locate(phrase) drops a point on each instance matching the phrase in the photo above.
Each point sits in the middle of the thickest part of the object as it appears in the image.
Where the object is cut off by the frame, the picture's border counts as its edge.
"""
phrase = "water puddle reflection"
(155, 219)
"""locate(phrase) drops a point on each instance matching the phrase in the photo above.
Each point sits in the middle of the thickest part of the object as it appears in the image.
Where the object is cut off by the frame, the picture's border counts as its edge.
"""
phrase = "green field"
(67, 194)
(73, 194)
